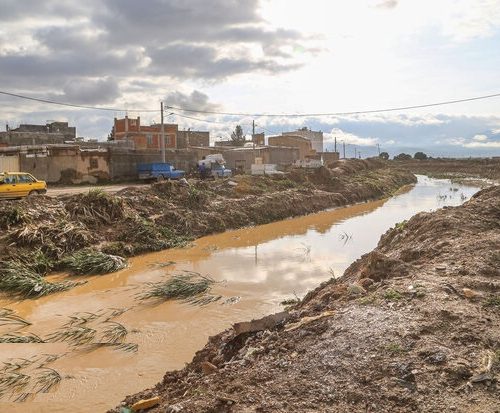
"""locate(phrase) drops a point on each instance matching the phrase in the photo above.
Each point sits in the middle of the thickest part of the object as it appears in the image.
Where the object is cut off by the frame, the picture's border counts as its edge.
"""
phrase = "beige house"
(294, 141)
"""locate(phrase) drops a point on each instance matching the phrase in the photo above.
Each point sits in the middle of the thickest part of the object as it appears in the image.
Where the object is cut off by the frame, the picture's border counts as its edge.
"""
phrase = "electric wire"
(241, 114)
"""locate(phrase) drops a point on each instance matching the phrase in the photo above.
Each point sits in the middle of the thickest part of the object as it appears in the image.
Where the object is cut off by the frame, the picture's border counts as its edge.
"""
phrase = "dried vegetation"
(89, 233)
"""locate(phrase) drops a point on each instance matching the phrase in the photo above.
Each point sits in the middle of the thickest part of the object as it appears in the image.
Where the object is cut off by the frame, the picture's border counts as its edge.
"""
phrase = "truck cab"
(213, 166)
(158, 171)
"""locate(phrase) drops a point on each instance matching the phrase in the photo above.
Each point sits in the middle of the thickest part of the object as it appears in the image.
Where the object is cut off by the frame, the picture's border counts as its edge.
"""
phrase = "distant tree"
(402, 157)
(237, 136)
(420, 156)
(384, 155)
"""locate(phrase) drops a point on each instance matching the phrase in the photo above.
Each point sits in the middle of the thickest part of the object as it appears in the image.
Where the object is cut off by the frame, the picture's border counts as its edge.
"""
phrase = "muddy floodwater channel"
(260, 268)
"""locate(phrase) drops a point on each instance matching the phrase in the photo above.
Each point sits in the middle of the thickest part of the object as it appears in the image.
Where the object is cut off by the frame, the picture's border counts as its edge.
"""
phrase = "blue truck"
(158, 171)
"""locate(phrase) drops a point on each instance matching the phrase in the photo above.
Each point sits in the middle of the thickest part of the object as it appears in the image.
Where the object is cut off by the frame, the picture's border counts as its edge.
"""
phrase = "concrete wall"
(329, 157)
(186, 160)
(316, 137)
(9, 162)
(192, 138)
(123, 162)
(11, 138)
(67, 165)
(302, 144)
(241, 160)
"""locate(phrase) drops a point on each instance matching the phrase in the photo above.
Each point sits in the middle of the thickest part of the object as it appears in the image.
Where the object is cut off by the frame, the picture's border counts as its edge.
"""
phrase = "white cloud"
(471, 19)
(455, 141)
(390, 142)
(348, 138)
(489, 145)
(396, 118)
(477, 141)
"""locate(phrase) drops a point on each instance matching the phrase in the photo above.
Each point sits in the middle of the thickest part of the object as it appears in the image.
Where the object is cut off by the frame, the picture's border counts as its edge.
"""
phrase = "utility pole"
(355, 154)
(343, 147)
(378, 147)
(162, 135)
(335, 144)
(253, 152)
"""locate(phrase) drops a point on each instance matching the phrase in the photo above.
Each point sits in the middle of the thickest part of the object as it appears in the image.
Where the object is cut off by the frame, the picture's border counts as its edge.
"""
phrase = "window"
(25, 179)
(93, 163)
(10, 179)
(149, 138)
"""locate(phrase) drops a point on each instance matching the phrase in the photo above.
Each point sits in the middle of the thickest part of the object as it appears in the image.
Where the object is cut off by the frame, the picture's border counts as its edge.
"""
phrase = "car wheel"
(160, 178)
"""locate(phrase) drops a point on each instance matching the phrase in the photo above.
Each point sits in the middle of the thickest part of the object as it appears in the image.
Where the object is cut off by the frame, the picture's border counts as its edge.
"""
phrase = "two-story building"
(144, 137)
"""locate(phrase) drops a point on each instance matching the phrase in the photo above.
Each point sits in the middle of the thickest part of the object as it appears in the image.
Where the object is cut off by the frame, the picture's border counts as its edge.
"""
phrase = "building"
(144, 137)
(50, 133)
(240, 159)
(304, 145)
(258, 139)
(329, 158)
(187, 138)
(316, 138)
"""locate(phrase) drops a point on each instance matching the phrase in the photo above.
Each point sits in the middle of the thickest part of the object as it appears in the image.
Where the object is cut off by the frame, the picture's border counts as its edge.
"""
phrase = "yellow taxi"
(19, 185)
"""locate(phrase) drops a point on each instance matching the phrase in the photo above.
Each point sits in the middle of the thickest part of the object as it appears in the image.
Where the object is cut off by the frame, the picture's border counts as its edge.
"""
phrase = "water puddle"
(261, 267)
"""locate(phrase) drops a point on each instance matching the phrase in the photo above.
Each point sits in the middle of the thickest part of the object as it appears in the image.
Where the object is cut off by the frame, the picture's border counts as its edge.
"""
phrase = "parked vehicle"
(213, 166)
(158, 171)
(20, 184)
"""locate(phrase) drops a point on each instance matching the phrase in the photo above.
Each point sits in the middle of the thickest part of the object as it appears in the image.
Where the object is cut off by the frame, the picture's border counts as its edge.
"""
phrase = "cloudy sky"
(267, 56)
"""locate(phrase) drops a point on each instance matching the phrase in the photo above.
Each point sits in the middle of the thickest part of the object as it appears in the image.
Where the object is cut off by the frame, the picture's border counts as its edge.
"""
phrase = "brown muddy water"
(261, 267)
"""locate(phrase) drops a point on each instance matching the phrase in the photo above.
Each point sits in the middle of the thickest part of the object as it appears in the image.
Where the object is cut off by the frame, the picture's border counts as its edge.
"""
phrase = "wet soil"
(168, 214)
(413, 325)
(260, 266)
(459, 170)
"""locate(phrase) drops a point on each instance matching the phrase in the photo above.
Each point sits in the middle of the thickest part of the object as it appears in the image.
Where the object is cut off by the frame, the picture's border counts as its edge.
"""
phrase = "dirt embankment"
(456, 169)
(42, 231)
(413, 326)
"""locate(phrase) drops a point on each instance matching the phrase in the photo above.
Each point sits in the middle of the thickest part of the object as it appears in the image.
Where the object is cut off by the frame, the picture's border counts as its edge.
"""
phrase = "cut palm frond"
(190, 287)
(20, 338)
(8, 316)
(18, 279)
(47, 380)
(93, 262)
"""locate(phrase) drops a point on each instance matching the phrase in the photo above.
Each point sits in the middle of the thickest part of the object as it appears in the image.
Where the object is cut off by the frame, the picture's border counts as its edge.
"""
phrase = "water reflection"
(262, 265)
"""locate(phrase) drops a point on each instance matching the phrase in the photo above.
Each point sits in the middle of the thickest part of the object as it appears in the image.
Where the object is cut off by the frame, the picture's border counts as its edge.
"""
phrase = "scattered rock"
(174, 408)
(355, 289)
(470, 294)
(264, 323)
(306, 320)
(145, 404)
(208, 368)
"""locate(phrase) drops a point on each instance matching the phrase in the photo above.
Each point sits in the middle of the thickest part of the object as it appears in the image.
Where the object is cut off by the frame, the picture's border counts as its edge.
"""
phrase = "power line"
(73, 105)
(360, 112)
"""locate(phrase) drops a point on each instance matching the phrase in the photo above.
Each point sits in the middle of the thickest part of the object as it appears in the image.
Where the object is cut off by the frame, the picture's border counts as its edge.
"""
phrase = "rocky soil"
(42, 231)
(413, 326)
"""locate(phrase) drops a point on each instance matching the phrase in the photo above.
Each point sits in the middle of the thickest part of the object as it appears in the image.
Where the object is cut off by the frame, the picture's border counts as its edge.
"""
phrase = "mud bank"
(455, 169)
(413, 325)
(43, 231)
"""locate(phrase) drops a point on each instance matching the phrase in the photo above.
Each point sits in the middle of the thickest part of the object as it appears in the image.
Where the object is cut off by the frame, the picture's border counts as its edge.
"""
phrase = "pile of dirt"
(412, 326)
(169, 214)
